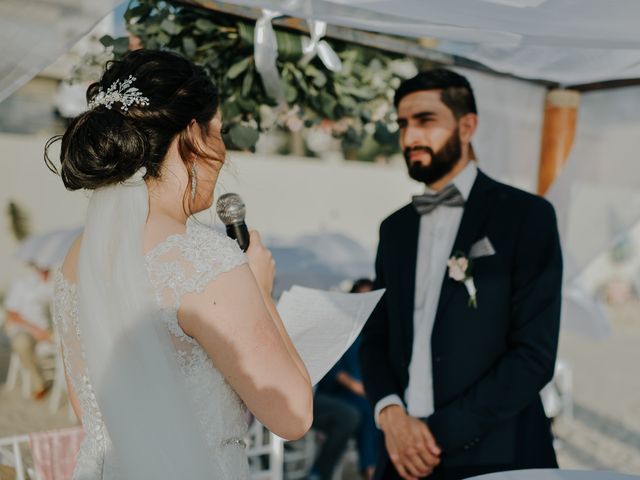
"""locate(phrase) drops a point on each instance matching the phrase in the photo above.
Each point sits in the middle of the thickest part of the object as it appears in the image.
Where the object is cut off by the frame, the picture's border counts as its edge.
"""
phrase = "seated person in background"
(338, 421)
(344, 382)
(28, 304)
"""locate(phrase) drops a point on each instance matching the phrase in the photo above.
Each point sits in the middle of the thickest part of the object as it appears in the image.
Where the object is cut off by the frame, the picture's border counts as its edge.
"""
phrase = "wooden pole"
(558, 132)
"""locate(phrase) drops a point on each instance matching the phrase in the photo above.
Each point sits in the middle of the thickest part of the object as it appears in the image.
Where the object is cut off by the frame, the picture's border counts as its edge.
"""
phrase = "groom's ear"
(467, 126)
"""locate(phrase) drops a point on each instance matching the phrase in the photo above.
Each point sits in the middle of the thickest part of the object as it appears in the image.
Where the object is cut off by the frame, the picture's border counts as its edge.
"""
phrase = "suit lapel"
(476, 211)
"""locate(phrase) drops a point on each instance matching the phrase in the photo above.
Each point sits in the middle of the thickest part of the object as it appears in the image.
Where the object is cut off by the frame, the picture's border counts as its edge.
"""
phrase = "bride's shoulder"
(68, 269)
(204, 243)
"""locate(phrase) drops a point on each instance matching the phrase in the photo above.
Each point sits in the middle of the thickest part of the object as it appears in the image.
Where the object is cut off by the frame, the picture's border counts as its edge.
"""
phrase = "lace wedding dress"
(179, 265)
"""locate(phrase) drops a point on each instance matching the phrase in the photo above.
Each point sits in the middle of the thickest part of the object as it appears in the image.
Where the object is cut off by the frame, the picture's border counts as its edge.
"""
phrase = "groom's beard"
(442, 161)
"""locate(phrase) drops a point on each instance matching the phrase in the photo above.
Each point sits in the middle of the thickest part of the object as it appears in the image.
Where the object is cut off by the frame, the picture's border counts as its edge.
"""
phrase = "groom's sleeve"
(528, 364)
(377, 375)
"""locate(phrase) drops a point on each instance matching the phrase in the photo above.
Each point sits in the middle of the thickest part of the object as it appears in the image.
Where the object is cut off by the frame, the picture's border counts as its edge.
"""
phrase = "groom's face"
(429, 136)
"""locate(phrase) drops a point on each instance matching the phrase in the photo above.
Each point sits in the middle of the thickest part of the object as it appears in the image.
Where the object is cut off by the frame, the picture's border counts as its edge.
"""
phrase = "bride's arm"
(263, 269)
(243, 334)
(73, 399)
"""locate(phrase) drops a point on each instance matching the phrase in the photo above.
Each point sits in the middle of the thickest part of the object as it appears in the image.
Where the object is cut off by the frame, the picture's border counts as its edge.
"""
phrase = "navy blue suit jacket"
(490, 362)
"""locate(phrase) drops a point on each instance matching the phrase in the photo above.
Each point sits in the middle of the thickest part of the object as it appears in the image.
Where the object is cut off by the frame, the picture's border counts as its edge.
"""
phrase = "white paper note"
(322, 324)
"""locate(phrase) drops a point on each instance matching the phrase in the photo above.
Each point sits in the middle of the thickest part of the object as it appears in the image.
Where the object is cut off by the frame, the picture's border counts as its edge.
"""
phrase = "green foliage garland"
(353, 104)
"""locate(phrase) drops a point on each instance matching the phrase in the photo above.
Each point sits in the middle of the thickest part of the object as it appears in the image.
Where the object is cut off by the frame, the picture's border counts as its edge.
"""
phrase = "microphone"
(231, 210)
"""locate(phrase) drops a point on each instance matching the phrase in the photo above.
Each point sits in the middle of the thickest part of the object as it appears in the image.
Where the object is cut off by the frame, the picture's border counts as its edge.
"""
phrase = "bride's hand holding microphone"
(232, 210)
(261, 263)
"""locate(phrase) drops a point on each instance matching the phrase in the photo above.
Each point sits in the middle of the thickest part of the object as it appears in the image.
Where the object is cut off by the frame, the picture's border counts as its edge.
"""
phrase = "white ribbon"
(265, 48)
(316, 46)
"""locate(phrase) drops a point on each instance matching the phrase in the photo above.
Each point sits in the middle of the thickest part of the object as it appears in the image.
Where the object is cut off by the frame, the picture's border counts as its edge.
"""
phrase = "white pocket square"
(482, 248)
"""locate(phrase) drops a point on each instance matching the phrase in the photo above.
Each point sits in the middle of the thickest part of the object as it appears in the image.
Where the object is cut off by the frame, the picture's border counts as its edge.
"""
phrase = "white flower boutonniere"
(460, 271)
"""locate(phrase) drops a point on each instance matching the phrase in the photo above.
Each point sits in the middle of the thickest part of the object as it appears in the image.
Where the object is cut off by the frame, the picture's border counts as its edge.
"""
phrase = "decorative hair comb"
(124, 93)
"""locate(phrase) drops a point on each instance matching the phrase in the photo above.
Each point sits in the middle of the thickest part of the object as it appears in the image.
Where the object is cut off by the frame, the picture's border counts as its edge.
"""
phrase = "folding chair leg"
(14, 370)
(59, 386)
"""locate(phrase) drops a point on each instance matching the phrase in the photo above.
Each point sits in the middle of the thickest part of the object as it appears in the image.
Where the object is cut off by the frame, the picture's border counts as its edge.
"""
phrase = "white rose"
(458, 268)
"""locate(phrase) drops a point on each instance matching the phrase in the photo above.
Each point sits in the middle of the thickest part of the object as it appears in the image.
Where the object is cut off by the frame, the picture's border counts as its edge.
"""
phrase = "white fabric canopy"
(34, 33)
(564, 41)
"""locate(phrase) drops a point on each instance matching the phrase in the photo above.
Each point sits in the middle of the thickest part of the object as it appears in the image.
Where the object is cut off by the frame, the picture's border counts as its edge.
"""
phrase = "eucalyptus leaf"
(189, 46)
(205, 26)
(239, 67)
(136, 12)
(383, 136)
(171, 27)
(290, 93)
(247, 83)
(121, 45)
(163, 38)
(246, 33)
(230, 110)
(247, 104)
(106, 40)
(328, 104)
(243, 136)
(289, 46)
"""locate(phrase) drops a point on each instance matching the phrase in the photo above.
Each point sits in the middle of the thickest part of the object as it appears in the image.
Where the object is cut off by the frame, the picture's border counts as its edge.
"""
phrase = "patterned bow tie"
(427, 203)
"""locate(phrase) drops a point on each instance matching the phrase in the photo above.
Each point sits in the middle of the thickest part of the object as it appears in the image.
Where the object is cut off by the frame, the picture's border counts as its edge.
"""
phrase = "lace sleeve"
(187, 263)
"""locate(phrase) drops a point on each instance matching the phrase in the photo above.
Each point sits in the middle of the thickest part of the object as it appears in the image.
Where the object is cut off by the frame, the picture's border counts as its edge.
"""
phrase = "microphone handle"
(240, 233)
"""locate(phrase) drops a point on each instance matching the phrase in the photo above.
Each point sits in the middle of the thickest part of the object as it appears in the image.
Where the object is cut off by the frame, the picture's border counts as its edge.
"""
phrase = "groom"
(454, 356)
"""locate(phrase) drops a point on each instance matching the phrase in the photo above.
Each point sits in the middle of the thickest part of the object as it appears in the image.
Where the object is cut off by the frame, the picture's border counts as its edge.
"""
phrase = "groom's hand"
(409, 442)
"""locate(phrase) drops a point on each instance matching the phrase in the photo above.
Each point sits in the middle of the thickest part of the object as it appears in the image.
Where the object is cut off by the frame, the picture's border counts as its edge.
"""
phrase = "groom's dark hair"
(457, 93)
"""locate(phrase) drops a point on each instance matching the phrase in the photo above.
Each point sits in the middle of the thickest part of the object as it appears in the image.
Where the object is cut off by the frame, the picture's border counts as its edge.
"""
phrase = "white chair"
(53, 452)
(11, 455)
(45, 353)
(51, 363)
(59, 387)
(265, 452)
(299, 456)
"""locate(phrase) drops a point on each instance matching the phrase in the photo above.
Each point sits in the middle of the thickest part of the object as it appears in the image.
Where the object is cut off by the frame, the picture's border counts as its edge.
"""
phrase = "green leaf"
(136, 12)
(230, 110)
(171, 27)
(239, 67)
(205, 26)
(383, 136)
(247, 83)
(153, 28)
(106, 40)
(163, 38)
(189, 46)
(328, 103)
(245, 33)
(121, 45)
(290, 93)
(243, 136)
(302, 83)
(289, 46)
(247, 104)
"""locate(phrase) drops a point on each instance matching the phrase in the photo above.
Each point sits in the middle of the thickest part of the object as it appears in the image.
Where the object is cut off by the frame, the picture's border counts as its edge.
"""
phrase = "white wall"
(285, 196)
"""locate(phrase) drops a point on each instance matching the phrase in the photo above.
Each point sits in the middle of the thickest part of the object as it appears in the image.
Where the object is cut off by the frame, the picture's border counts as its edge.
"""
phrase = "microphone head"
(231, 209)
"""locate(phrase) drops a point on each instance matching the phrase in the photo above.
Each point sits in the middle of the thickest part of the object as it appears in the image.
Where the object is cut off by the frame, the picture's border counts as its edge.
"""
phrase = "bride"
(168, 330)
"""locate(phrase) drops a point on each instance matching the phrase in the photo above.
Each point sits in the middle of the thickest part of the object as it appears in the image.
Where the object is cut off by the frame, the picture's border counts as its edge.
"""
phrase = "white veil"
(131, 360)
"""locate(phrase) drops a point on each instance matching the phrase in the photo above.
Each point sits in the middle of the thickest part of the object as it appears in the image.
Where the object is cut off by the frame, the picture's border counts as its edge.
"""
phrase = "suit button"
(438, 359)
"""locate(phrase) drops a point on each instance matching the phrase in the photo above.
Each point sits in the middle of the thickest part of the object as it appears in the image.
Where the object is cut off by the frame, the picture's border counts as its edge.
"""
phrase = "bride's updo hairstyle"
(105, 146)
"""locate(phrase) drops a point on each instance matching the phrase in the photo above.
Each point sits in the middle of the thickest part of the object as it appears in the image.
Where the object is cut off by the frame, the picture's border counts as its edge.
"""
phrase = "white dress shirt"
(437, 235)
